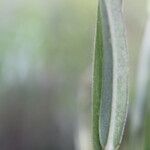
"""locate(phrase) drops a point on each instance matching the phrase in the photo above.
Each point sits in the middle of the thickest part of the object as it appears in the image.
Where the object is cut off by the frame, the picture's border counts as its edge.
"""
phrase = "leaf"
(110, 85)
(97, 82)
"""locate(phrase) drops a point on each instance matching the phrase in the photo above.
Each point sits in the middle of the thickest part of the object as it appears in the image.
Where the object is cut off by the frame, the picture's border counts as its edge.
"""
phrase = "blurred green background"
(46, 52)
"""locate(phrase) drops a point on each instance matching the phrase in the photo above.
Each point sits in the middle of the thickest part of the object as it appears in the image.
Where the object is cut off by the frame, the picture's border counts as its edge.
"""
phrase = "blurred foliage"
(44, 48)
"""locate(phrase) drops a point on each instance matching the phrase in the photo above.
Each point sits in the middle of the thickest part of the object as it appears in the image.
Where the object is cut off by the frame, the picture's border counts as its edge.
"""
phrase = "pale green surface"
(114, 100)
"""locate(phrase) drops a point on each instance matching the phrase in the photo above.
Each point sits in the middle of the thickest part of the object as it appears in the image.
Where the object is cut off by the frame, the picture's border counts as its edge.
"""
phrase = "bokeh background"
(46, 52)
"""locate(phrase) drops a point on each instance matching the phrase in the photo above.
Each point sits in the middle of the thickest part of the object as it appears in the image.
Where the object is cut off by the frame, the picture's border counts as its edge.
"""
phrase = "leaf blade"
(114, 101)
(97, 82)
(110, 81)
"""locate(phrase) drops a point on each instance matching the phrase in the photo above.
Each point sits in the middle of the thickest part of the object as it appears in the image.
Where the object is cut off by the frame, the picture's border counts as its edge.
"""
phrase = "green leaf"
(97, 81)
(110, 85)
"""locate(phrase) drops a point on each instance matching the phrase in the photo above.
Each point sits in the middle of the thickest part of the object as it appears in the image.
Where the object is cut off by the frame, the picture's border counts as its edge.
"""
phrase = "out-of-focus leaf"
(139, 109)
